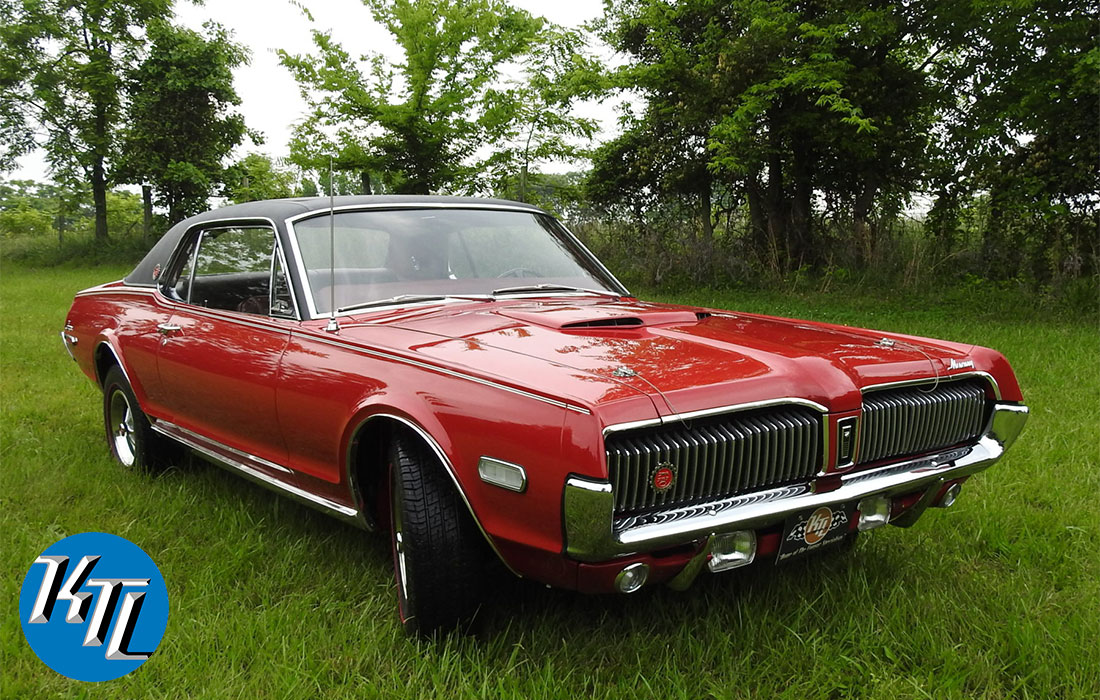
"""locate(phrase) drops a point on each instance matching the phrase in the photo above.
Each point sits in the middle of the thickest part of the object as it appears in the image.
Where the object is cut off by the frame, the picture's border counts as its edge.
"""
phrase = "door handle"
(167, 328)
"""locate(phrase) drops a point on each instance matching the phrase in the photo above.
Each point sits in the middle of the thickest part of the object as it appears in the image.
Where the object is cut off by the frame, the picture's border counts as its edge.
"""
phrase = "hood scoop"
(577, 317)
(605, 323)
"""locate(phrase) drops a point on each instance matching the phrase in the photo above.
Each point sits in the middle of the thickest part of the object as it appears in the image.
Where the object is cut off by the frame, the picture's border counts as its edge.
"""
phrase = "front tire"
(130, 438)
(440, 558)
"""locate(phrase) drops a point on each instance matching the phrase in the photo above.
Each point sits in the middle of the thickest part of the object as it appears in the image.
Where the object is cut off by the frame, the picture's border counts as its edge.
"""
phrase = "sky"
(270, 101)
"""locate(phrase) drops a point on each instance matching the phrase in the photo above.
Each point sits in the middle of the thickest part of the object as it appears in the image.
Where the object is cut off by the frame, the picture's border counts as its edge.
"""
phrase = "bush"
(77, 250)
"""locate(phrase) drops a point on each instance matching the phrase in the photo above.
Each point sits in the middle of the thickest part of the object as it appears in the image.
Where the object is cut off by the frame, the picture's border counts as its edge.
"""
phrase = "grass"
(998, 597)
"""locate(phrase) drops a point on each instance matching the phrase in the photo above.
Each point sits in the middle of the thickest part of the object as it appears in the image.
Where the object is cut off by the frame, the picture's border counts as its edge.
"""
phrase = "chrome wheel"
(121, 422)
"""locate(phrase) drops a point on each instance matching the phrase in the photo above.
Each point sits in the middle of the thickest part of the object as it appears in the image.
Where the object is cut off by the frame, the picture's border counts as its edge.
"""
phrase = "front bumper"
(593, 536)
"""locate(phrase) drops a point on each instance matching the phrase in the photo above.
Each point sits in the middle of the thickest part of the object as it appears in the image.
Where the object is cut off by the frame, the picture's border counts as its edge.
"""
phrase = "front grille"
(911, 420)
(715, 457)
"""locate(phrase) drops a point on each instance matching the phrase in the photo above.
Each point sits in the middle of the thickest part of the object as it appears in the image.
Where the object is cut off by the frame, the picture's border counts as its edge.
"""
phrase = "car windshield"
(410, 254)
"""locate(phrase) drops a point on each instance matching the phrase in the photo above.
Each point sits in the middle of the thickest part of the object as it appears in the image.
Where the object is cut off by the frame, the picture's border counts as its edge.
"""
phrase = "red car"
(466, 375)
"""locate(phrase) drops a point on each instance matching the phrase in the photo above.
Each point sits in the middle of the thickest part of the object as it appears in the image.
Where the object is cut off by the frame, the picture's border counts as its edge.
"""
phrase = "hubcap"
(121, 421)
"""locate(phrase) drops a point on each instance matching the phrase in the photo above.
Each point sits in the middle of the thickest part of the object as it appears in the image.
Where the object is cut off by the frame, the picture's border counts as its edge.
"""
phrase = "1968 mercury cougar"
(464, 374)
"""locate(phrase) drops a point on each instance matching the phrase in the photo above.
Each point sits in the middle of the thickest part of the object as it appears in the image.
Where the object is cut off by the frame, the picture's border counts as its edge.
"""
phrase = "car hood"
(683, 358)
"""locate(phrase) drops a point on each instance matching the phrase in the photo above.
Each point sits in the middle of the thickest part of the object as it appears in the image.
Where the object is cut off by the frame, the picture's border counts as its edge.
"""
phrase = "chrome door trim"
(246, 464)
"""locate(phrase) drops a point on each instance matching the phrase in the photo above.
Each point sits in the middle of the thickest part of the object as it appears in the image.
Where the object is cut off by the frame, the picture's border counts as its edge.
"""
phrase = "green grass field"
(998, 597)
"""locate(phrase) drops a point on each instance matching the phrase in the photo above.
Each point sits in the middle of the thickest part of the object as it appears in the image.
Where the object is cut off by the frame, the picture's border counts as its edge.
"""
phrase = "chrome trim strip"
(118, 361)
(588, 504)
(414, 205)
(194, 441)
(942, 378)
(706, 412)
(441, 370)
(251, 320)
(125, 291)
(167, 426)
(590, 254)
(248, 320)
(447, 467)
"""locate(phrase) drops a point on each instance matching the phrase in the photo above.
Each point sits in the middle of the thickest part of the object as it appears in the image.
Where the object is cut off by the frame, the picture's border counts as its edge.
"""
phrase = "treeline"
(917, 140)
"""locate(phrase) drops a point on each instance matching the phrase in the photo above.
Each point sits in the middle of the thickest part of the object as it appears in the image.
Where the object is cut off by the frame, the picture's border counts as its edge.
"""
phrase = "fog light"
(632, 577)
(950, 496)
(874, 511)
(731, 550)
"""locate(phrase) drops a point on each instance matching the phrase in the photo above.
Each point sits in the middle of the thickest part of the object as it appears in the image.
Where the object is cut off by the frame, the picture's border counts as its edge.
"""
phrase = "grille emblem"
(663, 477)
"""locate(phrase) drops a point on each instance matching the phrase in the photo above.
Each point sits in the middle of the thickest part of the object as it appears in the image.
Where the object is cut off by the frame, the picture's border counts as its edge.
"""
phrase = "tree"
(422, 123)
(531, 118)
(1021, 135)
(772, 100)
(190, 77)
(257, 177)
(64, 63)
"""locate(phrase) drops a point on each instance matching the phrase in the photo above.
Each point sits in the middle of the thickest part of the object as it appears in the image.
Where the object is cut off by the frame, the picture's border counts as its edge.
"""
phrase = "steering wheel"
(520, 272)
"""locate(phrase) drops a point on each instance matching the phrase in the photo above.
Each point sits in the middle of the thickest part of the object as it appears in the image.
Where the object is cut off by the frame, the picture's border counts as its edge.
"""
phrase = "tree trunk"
(861, 219)
(705, 215)
(774, 204)
(173, 209)
(523, 183)
(364, 181)
(801, 232)
(99, 198)
(147, 212)
(758, 225)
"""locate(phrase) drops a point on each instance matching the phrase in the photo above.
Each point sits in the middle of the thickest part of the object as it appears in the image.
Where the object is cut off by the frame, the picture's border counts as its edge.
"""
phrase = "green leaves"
(421, 124)
(189, 76)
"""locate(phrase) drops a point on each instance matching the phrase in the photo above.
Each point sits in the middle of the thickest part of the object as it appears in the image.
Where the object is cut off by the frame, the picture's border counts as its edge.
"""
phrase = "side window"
(178, 285)
(282, 304)
(232, 269)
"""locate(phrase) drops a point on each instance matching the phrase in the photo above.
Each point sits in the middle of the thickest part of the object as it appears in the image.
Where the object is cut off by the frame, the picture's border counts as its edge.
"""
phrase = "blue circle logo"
(93, 606)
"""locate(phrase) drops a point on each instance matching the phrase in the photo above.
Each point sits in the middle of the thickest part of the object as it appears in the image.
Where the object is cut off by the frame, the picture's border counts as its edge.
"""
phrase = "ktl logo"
(52, 590)
(93, 606)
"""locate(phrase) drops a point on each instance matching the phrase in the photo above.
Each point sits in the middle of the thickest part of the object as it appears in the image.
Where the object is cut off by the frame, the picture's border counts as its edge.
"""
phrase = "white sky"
(269, 96)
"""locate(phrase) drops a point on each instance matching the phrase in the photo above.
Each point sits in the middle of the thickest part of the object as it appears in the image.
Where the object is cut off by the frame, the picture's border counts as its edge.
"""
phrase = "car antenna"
(332, 326)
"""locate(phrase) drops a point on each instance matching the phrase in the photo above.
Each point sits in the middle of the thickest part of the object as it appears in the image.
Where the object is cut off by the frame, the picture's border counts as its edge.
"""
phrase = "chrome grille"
(715, 457)
(917, 419)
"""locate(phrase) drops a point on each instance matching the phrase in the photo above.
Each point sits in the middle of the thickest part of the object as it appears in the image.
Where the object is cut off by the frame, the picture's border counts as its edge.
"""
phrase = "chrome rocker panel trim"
(246, 465)
(588, 504)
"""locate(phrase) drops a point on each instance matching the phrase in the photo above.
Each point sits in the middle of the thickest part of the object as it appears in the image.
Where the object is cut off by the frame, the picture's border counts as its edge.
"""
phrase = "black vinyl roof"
(279, 210)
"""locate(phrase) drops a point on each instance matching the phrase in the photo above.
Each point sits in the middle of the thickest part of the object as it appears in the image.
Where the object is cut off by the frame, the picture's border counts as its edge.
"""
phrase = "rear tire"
(440, 558)
(130, 438)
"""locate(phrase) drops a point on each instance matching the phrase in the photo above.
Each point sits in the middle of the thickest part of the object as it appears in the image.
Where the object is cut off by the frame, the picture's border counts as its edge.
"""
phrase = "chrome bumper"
(591, 534)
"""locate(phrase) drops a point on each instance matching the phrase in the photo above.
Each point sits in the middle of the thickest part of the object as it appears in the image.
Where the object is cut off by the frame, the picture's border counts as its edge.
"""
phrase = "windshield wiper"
(392, 300)
(412, 298)
(553, 288)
